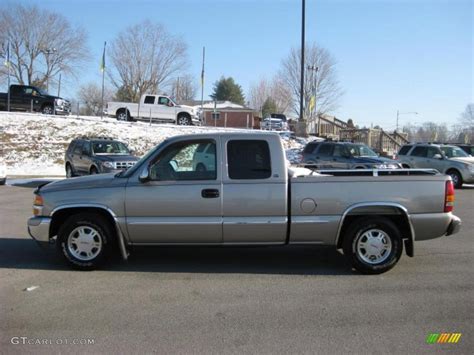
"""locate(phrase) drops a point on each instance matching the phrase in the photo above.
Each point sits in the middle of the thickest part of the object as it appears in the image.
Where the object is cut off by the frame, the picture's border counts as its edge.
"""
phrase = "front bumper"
(454, 225)
(467, 176)
(64, 109)
(38, 228)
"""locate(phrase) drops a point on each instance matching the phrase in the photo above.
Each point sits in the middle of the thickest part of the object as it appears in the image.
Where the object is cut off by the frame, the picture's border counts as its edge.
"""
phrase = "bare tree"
(90, 98)
(145, 57)
(323, 82)
(467, 124)
(42, 44)
(183, 88)
(276, 90)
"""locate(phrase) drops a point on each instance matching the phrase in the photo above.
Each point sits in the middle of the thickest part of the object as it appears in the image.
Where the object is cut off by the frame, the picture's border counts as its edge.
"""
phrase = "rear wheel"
(84, 240)
(69, 172)
(456, 177)
(373, 245)
(123, 115)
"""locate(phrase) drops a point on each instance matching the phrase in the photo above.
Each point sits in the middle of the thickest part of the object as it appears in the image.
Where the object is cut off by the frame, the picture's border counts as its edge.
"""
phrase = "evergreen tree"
(226, 89)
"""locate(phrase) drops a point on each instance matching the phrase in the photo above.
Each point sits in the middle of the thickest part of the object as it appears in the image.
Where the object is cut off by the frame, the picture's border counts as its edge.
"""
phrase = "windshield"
(108, 148)
(360, 150)
(454, 152)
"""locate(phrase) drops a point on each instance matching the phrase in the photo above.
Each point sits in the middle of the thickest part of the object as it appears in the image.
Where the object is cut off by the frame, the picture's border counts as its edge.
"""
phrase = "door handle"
(210, 193)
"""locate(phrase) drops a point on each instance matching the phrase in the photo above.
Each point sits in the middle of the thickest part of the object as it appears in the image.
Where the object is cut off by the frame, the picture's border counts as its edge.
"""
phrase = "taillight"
(449, 197)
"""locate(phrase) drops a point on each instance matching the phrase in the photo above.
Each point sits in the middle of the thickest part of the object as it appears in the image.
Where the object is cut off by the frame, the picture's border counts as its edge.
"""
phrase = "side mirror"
(144, 175)
(438, 156)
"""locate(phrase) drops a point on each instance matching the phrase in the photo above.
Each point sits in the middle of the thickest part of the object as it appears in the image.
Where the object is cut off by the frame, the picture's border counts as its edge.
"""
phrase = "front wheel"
(84, 240)
(456, 177)
(183, 120)
(123, 115)
(373, 245)
(47, 110)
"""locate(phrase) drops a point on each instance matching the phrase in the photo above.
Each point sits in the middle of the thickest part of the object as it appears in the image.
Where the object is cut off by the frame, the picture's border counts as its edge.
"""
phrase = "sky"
(406, 55)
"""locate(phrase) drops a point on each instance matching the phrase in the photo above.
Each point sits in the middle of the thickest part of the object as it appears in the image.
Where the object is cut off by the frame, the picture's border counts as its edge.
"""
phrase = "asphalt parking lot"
(233, 300)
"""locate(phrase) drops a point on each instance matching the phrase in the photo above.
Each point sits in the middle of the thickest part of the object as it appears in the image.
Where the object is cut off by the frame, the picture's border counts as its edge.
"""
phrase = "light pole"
(404, 113)
(48, 52)
(314, 72)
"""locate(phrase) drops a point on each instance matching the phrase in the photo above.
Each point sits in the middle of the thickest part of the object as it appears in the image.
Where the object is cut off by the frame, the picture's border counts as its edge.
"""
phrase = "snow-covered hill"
(35, 144)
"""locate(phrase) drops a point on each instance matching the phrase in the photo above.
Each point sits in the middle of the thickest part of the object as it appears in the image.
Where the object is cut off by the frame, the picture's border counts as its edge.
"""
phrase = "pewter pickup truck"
(235, 189)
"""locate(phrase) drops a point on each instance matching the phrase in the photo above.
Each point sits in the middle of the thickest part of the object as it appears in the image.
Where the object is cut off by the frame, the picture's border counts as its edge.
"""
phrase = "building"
(226, 114)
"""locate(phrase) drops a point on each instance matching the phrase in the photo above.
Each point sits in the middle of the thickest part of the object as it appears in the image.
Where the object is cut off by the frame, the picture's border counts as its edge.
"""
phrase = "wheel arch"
(393, 211)
(61, 213)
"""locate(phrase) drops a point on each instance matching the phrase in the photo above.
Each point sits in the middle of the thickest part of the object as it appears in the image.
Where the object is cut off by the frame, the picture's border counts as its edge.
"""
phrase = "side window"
(28, 90)
(419, 152)
(404, 150)
(163, 101)
(184, 161)
(338, 151)
(78, 148)
(248, 159)
(86, 148)
(310, 148)
(325, 149)
(432, 151)
(216, 115)
(149, 100)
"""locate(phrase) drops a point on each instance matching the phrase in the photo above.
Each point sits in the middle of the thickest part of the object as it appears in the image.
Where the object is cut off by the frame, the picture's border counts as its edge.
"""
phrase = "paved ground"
(239, 300)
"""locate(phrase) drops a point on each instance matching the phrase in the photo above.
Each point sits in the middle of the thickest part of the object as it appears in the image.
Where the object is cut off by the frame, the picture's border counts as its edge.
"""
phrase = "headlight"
(386, 166)
(59, 102)
(108, 164)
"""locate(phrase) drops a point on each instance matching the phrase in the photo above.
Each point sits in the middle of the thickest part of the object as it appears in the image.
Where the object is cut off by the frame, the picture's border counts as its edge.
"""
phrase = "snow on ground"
(35, 144)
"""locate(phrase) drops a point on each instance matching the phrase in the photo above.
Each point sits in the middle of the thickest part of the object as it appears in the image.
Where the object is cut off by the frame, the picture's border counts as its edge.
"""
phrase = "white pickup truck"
(155, 107)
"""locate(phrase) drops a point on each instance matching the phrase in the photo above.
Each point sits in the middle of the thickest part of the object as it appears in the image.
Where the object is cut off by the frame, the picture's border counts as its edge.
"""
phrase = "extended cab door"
(254, 190)
(180, 204)
(166, 109)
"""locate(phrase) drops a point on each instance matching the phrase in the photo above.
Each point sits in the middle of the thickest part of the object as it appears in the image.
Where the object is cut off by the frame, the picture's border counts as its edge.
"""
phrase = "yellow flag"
(312, 102)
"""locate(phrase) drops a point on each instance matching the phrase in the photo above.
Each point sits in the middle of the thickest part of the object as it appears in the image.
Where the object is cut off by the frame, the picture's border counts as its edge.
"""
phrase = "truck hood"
(84, 182)
(186, 107)
(466, 160)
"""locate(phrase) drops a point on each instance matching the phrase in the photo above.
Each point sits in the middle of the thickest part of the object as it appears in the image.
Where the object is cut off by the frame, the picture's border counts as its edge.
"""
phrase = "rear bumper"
(454, 226)
(38, 228)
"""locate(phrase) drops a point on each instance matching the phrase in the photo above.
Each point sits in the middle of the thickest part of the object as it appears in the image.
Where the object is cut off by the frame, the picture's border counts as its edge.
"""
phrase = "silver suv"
(447, 159)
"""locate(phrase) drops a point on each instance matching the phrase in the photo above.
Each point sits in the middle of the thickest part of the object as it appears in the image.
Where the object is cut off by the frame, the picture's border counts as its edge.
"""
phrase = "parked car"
(3, 173)
(344, 155)
(89, 156)
(249, 197)
(204, 158)
(447, 159)
(31, 98)
(276, 122)
(468, 148)
(157, 107)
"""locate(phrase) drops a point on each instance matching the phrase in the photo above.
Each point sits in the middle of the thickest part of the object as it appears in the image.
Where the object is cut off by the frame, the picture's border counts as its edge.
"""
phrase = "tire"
(3, 181)
(93, 171)
(456, 177)
(47, 110)
(84, 240)
(382, 241)
(123, 115)
(69, 171)
(183, 120)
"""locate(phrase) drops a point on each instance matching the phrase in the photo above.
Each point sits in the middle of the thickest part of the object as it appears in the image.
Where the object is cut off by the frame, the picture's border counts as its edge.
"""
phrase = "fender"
(409, 244)
(120, 237)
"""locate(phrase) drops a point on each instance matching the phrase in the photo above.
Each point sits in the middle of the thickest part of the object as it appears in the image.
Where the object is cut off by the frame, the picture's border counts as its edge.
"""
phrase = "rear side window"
(404, 150)
(78, 148)
(71, 146)
(310, 148)
(149, 100)
(325, 149)
(420, 152)
(248, 159)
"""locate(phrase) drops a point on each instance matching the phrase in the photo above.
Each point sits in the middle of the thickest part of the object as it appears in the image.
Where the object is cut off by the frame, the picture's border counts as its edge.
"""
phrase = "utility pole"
(202, 84)
(102, 68)
(48, 52)
(301, 119)
(7, 63)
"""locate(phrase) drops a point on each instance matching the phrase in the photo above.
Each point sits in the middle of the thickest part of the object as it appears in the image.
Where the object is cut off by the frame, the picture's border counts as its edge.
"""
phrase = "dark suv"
(344, 155)
(87, 156)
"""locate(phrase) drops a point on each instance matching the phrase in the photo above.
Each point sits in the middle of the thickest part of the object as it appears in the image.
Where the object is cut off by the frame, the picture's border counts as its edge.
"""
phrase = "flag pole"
(102, 67)
(202, 84)
(8, 80)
